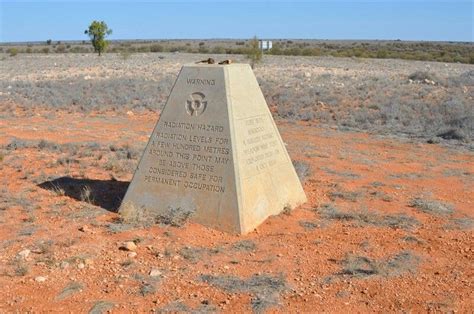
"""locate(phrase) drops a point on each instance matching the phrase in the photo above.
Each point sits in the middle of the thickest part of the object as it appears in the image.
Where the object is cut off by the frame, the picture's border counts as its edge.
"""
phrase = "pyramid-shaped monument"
(217, 152)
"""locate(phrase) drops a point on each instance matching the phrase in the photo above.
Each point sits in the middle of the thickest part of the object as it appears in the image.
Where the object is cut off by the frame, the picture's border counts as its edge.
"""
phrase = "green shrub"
(156, 48)
(382, 54)
(218, 50)
(143, 49)
(254, 53)
(61, 49)
(203, 49)
(12, 52)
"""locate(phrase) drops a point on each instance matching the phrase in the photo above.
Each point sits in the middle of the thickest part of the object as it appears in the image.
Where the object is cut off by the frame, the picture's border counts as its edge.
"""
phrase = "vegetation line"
(422, 51)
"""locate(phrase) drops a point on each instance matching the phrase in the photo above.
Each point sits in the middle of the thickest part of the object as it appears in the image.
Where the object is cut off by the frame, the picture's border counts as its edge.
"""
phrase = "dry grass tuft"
(366, 217)
(265, 288)
(176, 217)
(431, 206)
(363, 267)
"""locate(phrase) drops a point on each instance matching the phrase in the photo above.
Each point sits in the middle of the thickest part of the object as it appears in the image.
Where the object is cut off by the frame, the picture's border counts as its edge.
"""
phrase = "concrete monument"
(216, 151)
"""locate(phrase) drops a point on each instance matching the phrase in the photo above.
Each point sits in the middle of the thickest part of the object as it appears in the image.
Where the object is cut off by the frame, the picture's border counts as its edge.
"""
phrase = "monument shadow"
(107, 194)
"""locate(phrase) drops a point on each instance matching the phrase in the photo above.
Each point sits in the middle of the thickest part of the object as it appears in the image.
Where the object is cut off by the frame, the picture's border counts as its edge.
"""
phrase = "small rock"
(24, 253)
(132, 254)
(433, 140)
(85, 229)
(430, 82)
(88, 261)
(64, 265)
(155, 272)
(81, 266)
(40, 279)
(129, 246)
(307, 74)
(130, 113)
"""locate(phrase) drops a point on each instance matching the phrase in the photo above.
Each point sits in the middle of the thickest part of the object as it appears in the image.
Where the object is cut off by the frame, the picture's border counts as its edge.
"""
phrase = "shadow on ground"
(107, 194)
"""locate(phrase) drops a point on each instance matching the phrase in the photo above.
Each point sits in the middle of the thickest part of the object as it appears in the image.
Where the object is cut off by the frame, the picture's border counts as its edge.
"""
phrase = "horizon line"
(235, 38)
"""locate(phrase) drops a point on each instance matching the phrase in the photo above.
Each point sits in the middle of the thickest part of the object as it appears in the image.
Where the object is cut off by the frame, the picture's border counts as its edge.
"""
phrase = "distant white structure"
(265, 44)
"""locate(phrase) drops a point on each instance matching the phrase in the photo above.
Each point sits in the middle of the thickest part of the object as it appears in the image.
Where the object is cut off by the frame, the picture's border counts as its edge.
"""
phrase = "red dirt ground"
(305, 249)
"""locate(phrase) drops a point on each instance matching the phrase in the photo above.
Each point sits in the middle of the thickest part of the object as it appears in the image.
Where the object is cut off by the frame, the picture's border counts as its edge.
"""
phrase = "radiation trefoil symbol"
(195, 105)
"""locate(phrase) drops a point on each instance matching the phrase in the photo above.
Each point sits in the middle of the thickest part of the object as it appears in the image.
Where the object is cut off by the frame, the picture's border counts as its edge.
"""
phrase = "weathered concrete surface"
(216, 151)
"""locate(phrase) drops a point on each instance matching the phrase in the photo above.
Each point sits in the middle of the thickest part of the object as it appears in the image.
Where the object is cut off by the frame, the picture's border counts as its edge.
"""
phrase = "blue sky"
(337, 19)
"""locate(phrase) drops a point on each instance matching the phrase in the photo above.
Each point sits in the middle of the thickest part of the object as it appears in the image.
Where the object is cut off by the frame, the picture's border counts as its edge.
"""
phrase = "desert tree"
(97, 32)
(254, 53)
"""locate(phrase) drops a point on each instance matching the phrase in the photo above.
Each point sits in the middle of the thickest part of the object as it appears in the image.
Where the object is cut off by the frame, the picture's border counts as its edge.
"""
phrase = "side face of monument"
(266, 176)
(216, 151)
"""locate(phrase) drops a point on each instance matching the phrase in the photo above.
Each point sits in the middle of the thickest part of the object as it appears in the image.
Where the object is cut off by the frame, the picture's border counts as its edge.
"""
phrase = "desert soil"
(388, 225)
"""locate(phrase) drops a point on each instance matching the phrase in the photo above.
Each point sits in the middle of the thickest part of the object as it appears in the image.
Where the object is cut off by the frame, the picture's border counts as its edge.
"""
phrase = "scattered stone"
(40, 279)
(132, 254)
(429, 82)
(88, 261)
(24, 253)
(81, 266)
(129, 246)
(155, 273)
(85, 228)
(64, 265)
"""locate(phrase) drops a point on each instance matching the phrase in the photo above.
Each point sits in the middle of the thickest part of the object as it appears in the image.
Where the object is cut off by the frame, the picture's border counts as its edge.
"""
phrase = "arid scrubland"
(428, 100)
(383, 149)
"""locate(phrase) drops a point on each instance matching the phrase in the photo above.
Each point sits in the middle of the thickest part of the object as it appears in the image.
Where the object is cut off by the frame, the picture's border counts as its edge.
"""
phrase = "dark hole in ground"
(107, 194)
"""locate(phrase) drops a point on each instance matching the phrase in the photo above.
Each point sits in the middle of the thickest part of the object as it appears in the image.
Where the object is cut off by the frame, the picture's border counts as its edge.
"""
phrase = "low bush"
(12, 51)
(363, 267)
(431, 206)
